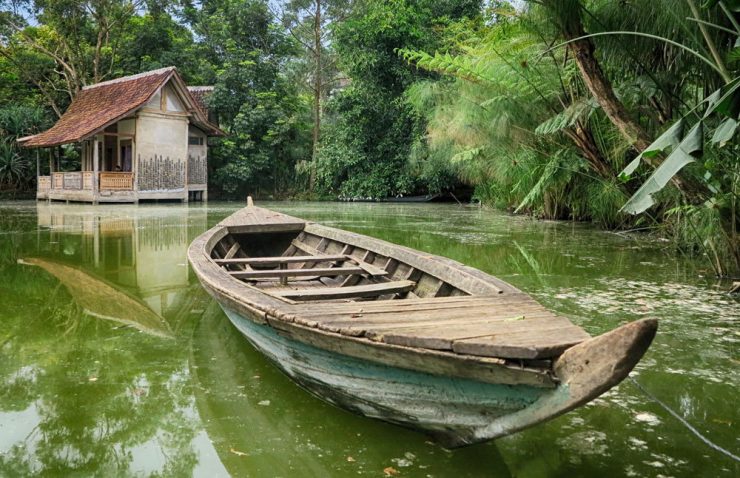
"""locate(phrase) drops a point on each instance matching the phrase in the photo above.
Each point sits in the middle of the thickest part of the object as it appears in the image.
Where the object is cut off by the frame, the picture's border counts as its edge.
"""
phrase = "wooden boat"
(401, 335)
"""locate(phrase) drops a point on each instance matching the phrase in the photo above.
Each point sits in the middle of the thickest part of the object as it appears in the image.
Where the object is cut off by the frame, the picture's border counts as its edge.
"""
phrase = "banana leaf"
(690, 148)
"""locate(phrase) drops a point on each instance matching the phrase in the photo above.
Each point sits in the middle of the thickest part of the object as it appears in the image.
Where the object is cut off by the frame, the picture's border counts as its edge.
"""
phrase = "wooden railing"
(116, 181)
(87, 179)
(69, 180)
(73, 180)
(43, 183)
(57, 180)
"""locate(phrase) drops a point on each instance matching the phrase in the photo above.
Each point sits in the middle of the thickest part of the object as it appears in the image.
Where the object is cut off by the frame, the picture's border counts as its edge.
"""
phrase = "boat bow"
(585, 371)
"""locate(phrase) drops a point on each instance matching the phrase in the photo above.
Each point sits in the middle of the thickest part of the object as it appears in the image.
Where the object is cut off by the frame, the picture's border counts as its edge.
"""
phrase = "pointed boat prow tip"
(250, 202)
(596, 365)
(585, 371)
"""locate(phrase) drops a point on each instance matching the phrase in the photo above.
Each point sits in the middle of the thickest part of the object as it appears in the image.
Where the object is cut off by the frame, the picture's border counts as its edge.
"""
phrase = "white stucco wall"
(163, 135)
(127, 126)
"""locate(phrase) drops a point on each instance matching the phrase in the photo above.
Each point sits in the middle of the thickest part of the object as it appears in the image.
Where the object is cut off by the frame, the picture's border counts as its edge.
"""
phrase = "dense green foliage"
(371, 128)
(543, 118)
(258, 108)
(539, 106)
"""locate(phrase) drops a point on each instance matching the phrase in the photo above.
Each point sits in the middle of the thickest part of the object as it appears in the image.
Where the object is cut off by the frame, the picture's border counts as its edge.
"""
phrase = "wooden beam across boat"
(323, 271)
(356, 291)
(273, 261)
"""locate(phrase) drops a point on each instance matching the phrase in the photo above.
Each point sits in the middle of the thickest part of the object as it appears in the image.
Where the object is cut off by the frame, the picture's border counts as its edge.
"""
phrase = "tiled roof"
(99, 105)
(102, 104)
(199, 93)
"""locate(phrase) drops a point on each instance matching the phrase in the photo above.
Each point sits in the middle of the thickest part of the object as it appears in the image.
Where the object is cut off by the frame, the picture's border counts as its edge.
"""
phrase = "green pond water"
(114, 362)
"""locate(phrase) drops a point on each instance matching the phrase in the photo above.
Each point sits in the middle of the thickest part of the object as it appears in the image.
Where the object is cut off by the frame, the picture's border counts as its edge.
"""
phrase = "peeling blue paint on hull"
(449, 408)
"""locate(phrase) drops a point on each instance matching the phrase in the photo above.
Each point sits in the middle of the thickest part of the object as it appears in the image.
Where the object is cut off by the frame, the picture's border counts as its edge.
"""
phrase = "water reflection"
(113, 361)
(83, 395)
(141, 250)
(100, 299)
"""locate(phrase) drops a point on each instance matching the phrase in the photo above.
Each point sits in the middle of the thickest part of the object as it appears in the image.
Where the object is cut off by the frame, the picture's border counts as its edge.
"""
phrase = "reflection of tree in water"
(97, 398)
(84, 395)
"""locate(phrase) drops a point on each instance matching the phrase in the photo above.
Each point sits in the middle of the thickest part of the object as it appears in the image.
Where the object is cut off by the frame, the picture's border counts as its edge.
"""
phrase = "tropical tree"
(310, 23)
(612, 77)
(62, 46)
(257, 107)
(370, 128)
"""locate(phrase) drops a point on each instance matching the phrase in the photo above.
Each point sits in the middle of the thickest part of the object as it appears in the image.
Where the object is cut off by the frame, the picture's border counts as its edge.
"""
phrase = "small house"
(141, 137)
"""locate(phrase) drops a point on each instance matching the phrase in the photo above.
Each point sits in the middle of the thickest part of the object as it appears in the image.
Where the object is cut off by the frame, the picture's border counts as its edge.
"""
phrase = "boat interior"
(347, 283)
(307, 267)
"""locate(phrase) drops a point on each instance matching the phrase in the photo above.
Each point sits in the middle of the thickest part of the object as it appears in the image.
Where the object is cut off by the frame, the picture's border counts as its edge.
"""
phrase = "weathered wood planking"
(524, 329)
(369, 268)
(255, 219)
(410, 318)
(543, 336)
(485, 369)
(271, 261)
(468, 279)
(414, 322)
(527, 344)
(232, 251)
(370, 290)
(324, 271)
(417, 305)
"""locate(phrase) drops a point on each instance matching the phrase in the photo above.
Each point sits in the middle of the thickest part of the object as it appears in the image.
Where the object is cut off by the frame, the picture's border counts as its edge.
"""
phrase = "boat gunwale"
(468, 279)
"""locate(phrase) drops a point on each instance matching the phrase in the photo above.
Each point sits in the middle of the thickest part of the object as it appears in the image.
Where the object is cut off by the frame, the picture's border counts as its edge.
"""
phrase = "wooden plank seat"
(321, 272)
(513, 327)
(283, 261)
(347, 292)
(274, 261)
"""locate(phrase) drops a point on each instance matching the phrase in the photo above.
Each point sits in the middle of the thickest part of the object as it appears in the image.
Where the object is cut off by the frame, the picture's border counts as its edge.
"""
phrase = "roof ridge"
(130, 77)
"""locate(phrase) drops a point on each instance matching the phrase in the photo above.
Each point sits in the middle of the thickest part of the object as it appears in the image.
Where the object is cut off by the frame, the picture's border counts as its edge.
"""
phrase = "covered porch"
(134, 138)
(87, 186)
(107, 169)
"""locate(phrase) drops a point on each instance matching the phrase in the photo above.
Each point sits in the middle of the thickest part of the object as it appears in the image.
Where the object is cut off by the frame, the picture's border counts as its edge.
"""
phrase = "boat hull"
(451, 409)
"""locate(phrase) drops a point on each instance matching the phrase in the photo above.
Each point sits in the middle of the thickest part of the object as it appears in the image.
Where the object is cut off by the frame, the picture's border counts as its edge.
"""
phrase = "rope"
(678, 417)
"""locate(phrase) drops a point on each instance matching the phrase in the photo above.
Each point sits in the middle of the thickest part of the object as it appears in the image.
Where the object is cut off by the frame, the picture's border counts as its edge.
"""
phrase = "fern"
(579, 111)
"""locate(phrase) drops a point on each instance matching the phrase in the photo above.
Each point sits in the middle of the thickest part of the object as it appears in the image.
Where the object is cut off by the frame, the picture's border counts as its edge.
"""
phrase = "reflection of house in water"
(140, 249)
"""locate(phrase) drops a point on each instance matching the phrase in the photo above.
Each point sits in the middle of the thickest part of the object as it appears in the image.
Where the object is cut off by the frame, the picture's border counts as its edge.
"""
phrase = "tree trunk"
(318, 86)
(584, 141)
(601, 89)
